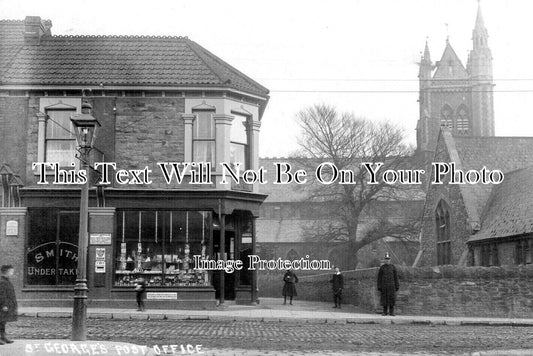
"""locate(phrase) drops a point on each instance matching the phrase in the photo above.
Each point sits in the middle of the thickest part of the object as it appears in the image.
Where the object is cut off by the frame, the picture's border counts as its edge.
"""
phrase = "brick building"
(158, 99)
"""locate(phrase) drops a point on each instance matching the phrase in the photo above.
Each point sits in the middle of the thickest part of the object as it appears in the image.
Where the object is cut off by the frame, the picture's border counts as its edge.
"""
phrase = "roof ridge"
(228, 66)
(11, 20)
(195, 47)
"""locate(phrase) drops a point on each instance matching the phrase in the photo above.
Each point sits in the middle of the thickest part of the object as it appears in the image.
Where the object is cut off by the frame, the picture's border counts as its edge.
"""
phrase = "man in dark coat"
(337, 283)
(8, 302)
(388, 285)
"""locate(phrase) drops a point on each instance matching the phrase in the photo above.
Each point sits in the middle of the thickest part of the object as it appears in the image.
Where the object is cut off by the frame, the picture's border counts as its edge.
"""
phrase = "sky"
(358, 55)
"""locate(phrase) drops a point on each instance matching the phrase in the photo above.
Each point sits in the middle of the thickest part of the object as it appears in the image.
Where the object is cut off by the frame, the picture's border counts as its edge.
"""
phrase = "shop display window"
(159, 246)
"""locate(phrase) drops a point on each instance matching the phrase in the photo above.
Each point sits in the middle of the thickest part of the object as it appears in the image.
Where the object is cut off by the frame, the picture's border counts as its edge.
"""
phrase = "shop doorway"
(229, 278)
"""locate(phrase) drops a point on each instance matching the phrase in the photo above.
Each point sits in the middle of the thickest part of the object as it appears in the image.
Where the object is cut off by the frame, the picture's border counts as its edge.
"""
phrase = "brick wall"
(13, 126)
(449, 290)
(149, 130)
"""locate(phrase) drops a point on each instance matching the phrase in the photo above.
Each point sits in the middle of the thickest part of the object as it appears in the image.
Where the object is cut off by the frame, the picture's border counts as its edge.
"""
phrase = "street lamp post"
(85, 126)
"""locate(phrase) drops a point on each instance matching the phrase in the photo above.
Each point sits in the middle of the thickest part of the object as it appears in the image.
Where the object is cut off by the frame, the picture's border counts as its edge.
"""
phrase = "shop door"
(229, 278)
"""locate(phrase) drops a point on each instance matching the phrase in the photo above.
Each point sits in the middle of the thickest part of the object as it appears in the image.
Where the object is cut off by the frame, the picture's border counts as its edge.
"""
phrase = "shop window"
(239, 147)
(203, 137)
(60, 138)
(159, 246)
(442, 220)
(52, 248)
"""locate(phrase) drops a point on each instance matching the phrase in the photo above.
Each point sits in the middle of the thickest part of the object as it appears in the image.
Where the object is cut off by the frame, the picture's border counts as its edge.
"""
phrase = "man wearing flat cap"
(388, 285)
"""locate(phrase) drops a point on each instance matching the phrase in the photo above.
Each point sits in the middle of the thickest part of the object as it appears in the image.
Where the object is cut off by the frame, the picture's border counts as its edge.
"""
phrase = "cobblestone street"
(298, 338)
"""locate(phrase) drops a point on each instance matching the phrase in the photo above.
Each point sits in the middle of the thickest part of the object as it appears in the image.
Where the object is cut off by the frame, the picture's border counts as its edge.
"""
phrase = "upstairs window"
(60, 138)
(239, 146)
(203, 137)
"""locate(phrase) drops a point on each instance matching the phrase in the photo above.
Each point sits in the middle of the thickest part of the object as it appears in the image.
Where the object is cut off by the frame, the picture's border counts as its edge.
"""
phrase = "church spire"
(480, 34)
(480, 59)
(424, 72)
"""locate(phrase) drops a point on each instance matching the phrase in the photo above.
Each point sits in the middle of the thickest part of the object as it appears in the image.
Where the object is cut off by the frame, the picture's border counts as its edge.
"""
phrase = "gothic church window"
(446, 119)
(463, 121)
(442, 220)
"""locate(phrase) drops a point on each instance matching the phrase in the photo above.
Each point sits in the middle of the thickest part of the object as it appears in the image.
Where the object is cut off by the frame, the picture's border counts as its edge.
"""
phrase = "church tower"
(454, 96)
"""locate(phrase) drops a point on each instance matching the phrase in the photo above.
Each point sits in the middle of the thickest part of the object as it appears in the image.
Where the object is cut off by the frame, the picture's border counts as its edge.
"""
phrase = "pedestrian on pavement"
(388, 285)
(337, 283)
(140, 288)
(289, 289)
(8, 302)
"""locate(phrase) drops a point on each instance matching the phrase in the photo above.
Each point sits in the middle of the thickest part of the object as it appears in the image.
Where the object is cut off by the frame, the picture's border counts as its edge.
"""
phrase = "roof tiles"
(114, 61)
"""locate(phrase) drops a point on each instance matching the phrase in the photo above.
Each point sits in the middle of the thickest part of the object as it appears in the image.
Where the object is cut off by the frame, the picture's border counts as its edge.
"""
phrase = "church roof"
(504, 153)
(509, 211)
(450, 66)
(114, 61)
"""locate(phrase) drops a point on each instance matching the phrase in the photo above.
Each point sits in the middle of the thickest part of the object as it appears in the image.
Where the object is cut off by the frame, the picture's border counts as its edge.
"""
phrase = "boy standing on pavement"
(8, 302)
(337, 283)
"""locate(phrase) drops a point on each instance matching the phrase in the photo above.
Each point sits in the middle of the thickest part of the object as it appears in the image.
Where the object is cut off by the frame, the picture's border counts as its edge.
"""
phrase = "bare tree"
(347, 142)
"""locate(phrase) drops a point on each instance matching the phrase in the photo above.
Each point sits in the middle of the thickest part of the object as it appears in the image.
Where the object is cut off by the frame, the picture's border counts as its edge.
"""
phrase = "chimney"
(47, 24)
(34, 29)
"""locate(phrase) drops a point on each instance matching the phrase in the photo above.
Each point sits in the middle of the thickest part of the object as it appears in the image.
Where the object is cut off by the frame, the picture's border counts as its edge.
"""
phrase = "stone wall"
(448, 290)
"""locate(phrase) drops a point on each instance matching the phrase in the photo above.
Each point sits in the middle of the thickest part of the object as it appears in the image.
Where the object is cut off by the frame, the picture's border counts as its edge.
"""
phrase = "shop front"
(157, 235)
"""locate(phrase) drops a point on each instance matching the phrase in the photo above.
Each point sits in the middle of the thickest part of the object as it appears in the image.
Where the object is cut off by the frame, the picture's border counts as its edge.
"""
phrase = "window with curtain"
(239, 147)
(60, 137)
(203, 137)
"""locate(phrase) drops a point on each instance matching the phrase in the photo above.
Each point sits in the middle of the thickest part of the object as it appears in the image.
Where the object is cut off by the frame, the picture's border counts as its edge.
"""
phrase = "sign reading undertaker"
(52, 263)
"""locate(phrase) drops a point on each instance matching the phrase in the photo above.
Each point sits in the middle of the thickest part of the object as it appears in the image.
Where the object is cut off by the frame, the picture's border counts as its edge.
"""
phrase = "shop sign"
(100, 239)
(162, 295)
(12, 228)
(48, 259)
(246, 238)
(99, 266)
(100, 253)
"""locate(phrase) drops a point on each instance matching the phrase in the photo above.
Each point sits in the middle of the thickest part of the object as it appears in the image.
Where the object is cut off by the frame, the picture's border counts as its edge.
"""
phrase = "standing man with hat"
(388, 285)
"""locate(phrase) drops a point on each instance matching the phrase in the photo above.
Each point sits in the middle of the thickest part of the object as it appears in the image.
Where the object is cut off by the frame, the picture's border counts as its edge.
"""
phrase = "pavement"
(269, 310)
(272, 309)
